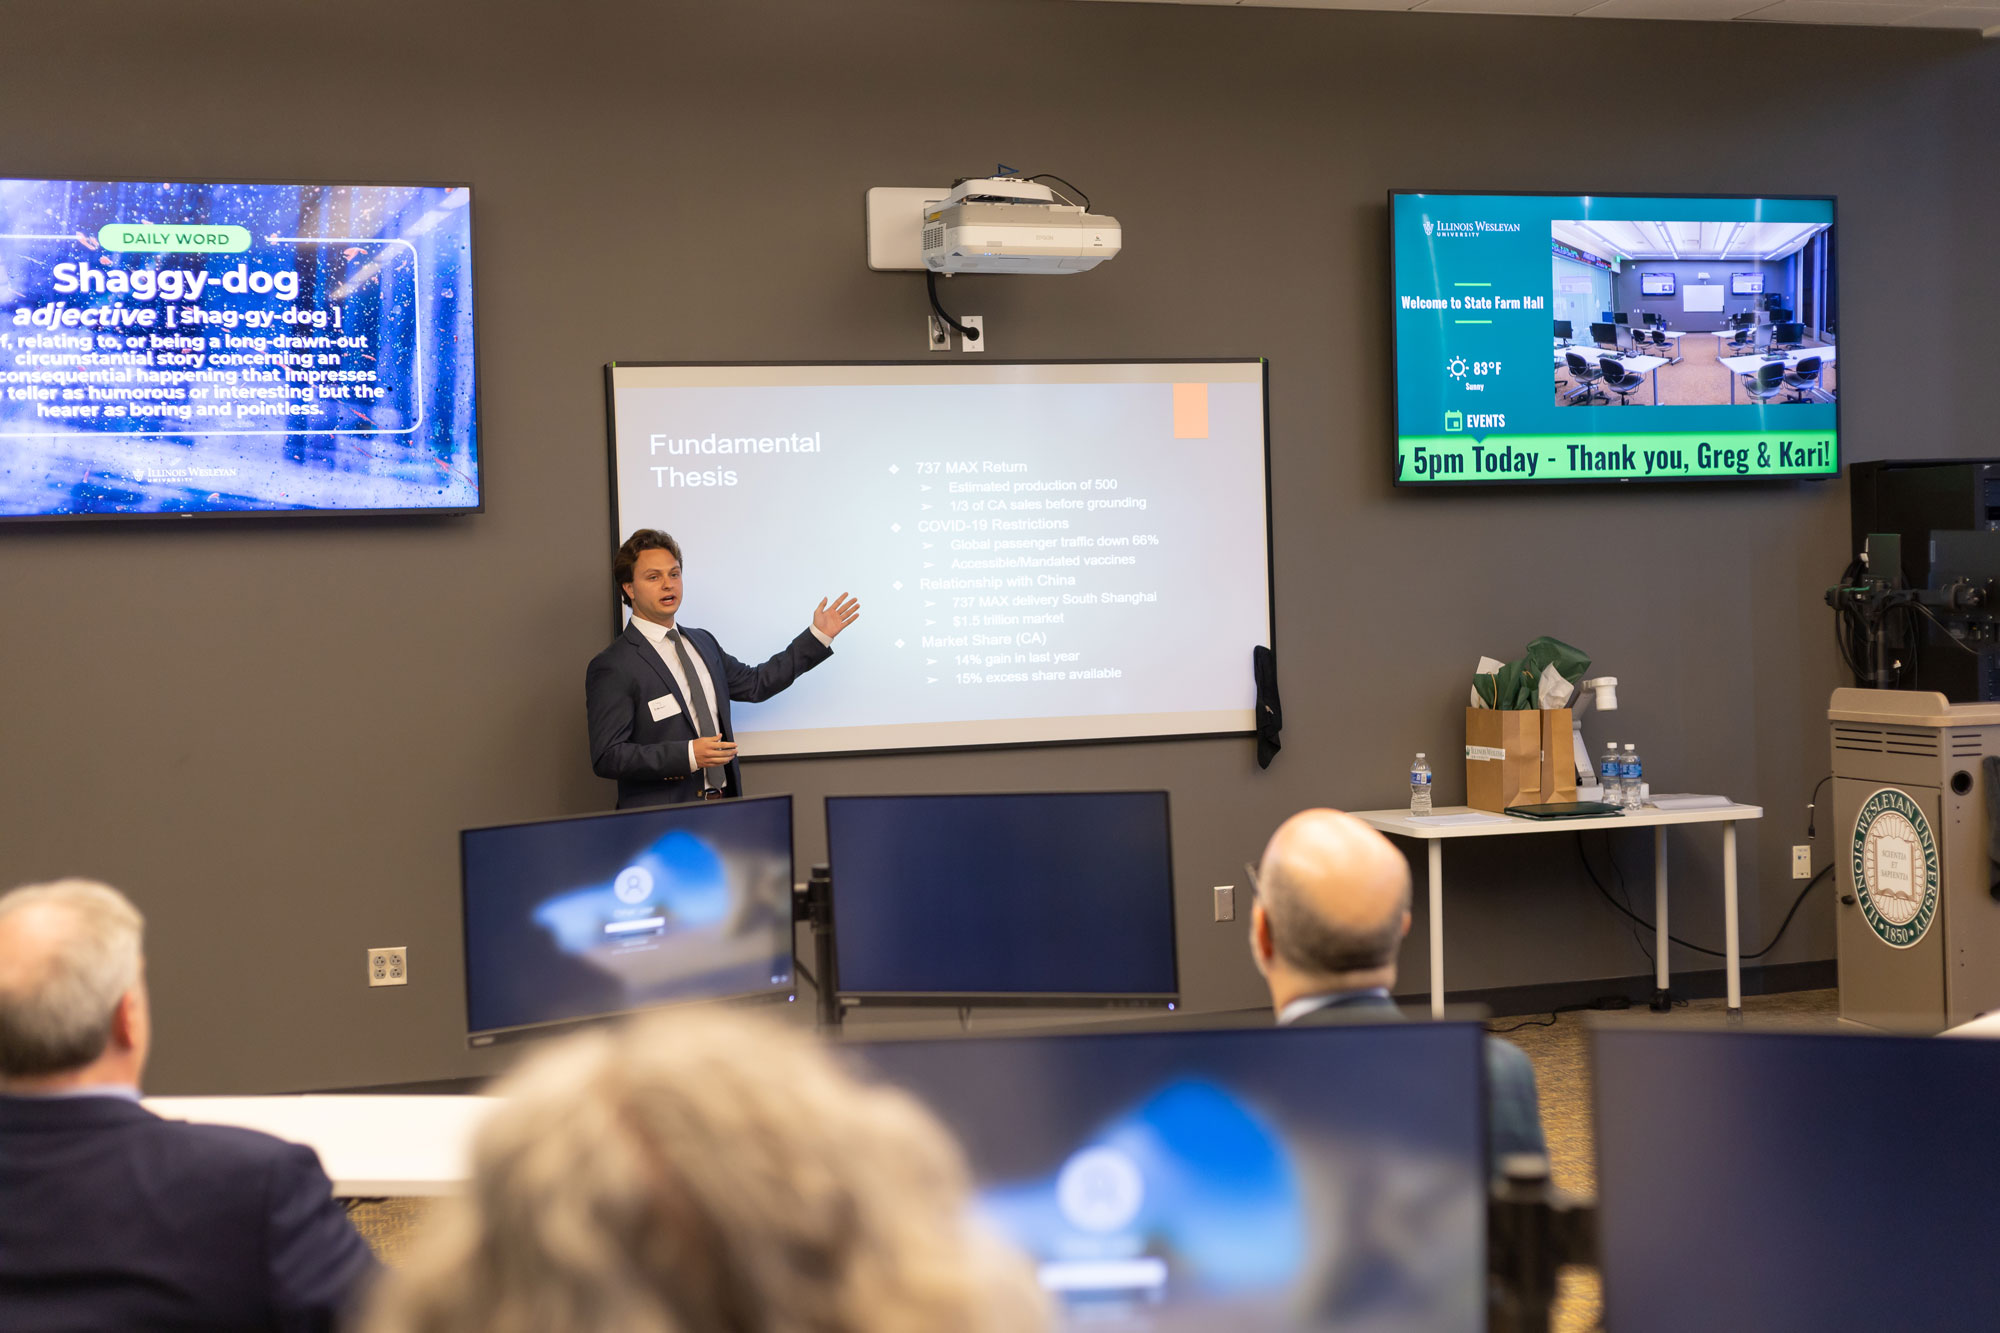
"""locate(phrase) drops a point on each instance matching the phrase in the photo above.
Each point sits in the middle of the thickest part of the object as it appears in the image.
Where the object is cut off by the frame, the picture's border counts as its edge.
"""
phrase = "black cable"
(1712, 953)
(1796, 903)
(930, 284)
(1812, 804)
(1051, 176)
(1548, 1022)
(1933, 616)
(1623, 892)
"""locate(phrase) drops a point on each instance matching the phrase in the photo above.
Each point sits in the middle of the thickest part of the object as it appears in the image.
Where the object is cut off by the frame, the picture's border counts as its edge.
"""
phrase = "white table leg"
(1660, 911)
(1731, 946)
(1437, 927)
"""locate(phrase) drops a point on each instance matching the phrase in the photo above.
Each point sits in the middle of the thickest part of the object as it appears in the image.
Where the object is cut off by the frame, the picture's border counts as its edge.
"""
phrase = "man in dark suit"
(658, 698)
(111, 1217)
(1333, 906)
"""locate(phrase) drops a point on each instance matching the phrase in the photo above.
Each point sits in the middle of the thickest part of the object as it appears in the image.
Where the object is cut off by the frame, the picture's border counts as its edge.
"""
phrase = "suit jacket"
(113, 1218)
(1513, 1108)
(650, 759)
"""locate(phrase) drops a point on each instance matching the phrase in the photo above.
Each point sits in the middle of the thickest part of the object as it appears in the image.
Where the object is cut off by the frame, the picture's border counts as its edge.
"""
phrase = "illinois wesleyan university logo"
(1895, 868)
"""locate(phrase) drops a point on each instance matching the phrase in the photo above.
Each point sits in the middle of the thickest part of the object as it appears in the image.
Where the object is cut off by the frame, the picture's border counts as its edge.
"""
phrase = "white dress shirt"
(656, 634)
(1312, 1004)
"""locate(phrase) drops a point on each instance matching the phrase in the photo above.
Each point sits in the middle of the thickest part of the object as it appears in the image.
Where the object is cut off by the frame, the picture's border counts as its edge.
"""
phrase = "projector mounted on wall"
(989, 224)
(998, 224)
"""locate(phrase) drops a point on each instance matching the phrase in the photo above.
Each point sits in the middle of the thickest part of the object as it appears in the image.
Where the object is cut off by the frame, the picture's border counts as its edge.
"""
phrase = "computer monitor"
(1563, 330)
(1029, 898)
(1780, 316)
(585, 917)
(1604, 335)
(1621, 317)
(1652, 317)
(1760, 337)
(1254, 1181)
(1783, 1181)
(1789, 334)
(1607, 316)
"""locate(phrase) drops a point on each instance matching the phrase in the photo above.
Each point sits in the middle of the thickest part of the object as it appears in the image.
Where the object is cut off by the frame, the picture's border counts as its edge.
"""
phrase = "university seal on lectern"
(1895, 868)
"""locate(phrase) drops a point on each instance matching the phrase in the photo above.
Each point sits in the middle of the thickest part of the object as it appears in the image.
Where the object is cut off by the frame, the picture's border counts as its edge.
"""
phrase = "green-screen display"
(1546, 338)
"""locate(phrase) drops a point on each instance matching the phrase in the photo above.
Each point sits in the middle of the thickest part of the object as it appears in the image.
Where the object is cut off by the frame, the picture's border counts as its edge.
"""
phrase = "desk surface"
(371, 1146)
(1641, 364)
(1747, 365)
(1490, 825)
(1579, 340)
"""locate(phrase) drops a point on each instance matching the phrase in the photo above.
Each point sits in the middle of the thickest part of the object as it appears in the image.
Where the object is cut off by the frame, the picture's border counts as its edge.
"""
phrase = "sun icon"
(1457, 367)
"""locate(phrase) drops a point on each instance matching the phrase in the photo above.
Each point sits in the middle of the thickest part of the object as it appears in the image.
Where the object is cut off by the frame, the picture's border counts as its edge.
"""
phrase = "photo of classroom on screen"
(1686, 313)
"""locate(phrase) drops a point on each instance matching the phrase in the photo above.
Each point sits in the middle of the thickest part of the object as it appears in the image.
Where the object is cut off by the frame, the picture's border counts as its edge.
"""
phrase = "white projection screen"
(1048, 552)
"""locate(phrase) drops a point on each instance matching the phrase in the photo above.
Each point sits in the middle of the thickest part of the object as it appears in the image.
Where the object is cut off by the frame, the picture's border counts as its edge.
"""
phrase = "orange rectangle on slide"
(1190, 411)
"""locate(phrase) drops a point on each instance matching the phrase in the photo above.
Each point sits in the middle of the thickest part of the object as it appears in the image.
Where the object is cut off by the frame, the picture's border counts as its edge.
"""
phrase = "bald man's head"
(1337, 897)
(69, 956)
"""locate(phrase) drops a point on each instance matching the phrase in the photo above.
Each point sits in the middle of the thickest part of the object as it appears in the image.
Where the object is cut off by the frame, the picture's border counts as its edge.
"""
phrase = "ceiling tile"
(1562, 8)
(1329, 4)
(1701, 10)
(1983, 20)
(1292, 4)
(1876, 13)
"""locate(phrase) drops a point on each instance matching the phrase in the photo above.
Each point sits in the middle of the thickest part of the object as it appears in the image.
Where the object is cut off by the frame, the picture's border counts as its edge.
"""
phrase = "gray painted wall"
(1625, 285)
(270, 733)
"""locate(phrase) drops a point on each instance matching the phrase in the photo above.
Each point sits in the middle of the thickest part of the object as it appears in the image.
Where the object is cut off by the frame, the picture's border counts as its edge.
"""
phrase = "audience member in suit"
(1332, 908)
(111, 1217)
(659, 724)
(707, 1172)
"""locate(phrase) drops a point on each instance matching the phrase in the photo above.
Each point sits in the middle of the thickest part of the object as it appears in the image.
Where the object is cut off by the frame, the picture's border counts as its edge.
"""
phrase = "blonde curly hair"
(704, 1172)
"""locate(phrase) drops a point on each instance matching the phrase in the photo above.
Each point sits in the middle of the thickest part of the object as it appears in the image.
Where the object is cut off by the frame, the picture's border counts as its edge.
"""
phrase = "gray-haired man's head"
(1333, 905)
(69, 960)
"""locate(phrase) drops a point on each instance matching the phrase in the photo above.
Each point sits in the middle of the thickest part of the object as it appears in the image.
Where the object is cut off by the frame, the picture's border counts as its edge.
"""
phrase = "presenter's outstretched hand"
(713, 752)
(831, 620)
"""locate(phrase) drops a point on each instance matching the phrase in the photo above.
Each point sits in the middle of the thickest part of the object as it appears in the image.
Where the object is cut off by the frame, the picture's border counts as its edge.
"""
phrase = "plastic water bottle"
(1629, 774)
(1420, 787)
(1608, 776)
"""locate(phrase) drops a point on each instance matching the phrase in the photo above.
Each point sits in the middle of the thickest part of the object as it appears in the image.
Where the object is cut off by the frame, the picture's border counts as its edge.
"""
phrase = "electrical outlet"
(1225, 902)
(939, 333)
(1802, 860)
(976, 323)
(389, 967)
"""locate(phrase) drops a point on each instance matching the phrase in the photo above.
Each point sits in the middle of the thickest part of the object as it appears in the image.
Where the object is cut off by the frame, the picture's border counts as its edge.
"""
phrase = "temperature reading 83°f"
(1486, 367)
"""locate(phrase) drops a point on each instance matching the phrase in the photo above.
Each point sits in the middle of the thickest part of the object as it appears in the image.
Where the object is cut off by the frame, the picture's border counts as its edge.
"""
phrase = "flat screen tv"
(1026, 898)
(1731, 1193)
(201, 349)
(1656, 284)
(598, 915)
(1255, 1181)
(1746, 284)
(1477, 278)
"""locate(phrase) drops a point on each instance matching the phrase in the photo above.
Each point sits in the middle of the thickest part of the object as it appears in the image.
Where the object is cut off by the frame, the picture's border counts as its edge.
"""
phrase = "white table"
(372, 1146)
(1442, 826)
(1644, 365)
(1749, 365)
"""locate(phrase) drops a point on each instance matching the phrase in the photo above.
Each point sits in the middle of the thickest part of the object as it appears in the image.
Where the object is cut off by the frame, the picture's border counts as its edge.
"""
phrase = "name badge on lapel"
(663, 707)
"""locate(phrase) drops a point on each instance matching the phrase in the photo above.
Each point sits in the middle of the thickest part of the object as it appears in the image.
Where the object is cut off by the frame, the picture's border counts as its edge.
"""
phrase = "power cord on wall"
(962, 330)
(1686, 944)
(1624, 909)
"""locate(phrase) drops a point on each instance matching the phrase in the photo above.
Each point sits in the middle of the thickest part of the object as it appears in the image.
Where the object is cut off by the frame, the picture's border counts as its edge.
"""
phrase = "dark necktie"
(704, 720)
